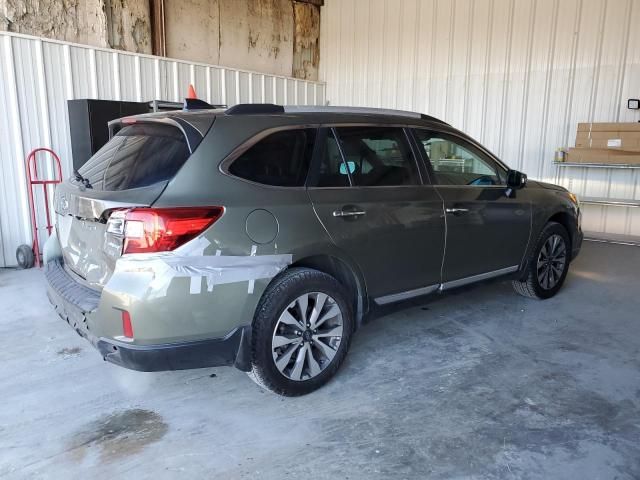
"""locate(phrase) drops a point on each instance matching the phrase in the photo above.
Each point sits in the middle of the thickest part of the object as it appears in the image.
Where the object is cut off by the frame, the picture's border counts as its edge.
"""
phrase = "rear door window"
(281, 159)
(332, 170)
(378, 156)
(137, 156)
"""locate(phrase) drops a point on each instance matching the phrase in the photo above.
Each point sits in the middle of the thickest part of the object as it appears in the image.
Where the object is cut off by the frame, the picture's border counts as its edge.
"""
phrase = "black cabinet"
(88, 124)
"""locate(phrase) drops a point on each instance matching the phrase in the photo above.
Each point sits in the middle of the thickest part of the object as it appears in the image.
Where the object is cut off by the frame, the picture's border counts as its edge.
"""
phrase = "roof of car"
(196, 122)
(323, 113)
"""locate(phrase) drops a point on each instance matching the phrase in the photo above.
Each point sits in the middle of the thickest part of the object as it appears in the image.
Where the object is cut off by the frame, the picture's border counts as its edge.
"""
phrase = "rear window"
(137, 156)
(281, 159)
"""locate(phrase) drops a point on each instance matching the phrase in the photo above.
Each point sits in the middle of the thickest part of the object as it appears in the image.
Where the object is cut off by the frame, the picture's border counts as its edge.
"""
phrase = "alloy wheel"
(551, 261)
(307, 336)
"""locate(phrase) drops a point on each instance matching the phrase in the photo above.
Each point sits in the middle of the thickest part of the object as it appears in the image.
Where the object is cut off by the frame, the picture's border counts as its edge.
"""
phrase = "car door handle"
(348, 213)
(456, 211)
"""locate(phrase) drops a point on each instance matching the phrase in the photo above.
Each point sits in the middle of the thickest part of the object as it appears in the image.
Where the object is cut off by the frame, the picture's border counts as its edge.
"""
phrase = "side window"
(280, 159)
(378, 156)
(332, 170)
(456, 163)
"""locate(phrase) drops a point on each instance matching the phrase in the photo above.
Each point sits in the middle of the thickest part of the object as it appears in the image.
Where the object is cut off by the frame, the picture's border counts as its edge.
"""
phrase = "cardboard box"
(609, 127)
(615, 143)
(601, 155)
(619, 136)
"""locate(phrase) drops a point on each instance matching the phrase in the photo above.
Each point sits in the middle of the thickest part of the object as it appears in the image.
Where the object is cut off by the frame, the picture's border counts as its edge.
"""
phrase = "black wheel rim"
(551, 263)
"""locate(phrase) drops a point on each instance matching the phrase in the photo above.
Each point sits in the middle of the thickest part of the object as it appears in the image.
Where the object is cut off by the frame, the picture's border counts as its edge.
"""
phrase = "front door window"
(455, 162)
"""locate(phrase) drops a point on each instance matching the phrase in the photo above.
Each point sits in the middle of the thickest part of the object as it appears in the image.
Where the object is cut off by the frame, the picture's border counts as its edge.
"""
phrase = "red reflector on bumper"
(127, 328)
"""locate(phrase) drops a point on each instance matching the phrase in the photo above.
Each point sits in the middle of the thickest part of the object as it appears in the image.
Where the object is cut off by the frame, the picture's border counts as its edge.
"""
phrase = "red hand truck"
(25, 255)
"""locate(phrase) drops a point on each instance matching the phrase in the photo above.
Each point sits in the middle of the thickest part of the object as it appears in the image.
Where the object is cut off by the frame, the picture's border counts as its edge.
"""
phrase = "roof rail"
(267, 108)
(359, 110)
(161, 105)
(254, 108)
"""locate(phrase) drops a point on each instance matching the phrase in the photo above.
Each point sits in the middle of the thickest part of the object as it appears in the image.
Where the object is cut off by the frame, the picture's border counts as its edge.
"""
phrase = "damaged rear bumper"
(73, 302)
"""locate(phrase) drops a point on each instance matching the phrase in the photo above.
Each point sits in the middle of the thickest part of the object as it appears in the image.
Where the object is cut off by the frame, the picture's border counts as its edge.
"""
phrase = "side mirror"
(516, 179)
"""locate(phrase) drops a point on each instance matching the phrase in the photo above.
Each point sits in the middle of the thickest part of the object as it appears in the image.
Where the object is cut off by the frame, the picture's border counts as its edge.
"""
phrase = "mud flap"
(243, 357)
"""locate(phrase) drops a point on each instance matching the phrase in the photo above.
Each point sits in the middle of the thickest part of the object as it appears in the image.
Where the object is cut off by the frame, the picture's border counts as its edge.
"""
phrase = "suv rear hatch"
(130, 171)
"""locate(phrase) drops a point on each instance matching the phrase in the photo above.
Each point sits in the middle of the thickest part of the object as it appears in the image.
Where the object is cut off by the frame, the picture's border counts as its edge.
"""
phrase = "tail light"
(148, 230)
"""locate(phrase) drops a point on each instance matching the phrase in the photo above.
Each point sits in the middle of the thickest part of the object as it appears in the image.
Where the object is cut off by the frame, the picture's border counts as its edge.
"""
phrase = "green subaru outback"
(261, 236)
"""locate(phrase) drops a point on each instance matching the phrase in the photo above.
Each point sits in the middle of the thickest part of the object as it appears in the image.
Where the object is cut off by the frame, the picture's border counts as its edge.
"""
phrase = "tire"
(25, 257)
(273, 324)
(537, 284)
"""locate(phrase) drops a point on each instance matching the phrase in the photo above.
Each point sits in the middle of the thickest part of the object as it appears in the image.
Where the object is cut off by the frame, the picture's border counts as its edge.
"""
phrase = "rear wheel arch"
(290, 354)
(345, 275)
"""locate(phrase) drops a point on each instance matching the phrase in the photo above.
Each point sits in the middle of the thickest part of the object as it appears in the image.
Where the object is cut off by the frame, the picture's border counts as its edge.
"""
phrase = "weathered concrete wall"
(257, 34)
(280, 37)
(306, 48)
(250, 34)
(193, 30)
(122, 24)
(81, 21)
(129, 25)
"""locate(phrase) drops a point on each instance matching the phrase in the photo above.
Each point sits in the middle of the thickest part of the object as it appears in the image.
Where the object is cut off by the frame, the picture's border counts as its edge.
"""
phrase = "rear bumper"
(214, 352)
(71, 300)
(74, 302)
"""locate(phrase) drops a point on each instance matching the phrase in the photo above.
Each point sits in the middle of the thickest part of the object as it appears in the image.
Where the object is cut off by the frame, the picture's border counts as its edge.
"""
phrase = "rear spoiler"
(190, 132)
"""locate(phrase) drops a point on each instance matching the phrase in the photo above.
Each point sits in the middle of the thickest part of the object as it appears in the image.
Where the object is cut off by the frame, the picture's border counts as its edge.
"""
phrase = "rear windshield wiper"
(81, 179)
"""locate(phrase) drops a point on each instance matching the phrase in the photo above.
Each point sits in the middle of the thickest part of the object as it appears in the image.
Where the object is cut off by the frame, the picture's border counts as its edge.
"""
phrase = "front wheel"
(548, 264)
(301, 332)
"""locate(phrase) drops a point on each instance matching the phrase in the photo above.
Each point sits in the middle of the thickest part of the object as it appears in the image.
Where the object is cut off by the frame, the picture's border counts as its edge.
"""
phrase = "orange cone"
(191, 93)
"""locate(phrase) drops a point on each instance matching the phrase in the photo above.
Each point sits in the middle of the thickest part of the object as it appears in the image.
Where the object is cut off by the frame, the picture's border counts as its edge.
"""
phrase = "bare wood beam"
(158, 35)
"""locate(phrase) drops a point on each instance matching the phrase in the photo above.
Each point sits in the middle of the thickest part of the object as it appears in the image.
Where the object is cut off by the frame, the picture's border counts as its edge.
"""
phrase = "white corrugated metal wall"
(38, 76)
(518, 75)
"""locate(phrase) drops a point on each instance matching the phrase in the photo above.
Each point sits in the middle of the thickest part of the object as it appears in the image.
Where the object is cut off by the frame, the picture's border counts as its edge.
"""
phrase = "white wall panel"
(269, 89)
(107, 79)
(518, 75)
(183, 77)
(148, 79)
(14, 216)
(245, 90)
(38, 76)
(127, 71)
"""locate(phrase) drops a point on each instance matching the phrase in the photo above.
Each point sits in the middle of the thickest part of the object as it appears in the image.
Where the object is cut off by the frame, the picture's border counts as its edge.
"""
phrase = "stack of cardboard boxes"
(610, 143)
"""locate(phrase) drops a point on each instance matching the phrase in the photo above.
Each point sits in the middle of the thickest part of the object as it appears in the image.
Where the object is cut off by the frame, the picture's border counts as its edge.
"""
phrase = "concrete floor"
(478, 384)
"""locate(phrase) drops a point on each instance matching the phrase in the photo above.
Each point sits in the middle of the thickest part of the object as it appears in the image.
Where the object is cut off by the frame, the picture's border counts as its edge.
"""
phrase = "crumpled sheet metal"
(189, 261)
